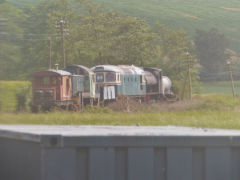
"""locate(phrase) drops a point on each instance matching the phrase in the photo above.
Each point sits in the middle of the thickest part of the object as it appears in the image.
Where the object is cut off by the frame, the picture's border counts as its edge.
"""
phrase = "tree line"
(94, 35)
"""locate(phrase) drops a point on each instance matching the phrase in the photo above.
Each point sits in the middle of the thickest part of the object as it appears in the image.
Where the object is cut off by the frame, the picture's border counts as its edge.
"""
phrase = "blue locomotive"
(131, 81)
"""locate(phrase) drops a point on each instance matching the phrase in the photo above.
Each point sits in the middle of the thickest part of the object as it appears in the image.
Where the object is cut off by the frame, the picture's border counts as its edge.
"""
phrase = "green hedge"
(9, 91)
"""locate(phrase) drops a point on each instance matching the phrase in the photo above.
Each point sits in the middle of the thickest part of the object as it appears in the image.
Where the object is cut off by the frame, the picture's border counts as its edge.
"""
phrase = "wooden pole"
(50, 53)
(183, 89)
(190, 80)
(62, 37)
(231, 78)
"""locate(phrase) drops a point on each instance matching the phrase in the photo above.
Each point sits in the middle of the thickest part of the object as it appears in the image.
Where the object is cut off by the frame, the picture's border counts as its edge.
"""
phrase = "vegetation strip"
(214, 119)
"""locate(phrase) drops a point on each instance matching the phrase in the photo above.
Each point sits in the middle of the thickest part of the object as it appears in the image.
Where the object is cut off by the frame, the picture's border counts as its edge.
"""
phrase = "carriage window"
(100, 77)
(46, 80)
(110, 77)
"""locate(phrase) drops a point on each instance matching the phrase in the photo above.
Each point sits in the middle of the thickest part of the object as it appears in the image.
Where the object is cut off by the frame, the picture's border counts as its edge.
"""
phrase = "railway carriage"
(83, 80)
(51, 88)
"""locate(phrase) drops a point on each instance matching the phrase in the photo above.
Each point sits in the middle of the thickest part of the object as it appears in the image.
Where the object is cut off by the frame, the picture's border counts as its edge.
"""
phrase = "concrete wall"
(119, 157)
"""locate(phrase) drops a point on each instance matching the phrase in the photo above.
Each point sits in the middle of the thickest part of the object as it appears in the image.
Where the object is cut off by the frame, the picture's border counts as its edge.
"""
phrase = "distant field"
(186, 14)
(220, 87)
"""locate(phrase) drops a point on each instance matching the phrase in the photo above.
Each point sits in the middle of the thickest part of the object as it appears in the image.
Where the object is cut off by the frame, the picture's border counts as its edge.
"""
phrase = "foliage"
(10, 45)
(178, 57)
(96, 36)
(210, 48)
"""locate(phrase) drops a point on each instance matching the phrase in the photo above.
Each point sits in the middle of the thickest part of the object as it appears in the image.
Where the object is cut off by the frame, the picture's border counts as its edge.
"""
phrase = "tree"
(40, 24)
(210, 48)
(177, 57)
(10, 44)
(105, 37)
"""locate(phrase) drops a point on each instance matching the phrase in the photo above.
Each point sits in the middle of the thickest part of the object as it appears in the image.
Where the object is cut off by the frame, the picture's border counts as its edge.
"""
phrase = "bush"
(21, 98)
(11, 93)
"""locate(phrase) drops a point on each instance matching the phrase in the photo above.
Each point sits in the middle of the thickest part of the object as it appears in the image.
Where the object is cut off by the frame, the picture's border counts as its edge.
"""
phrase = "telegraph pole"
(62, 26)
(189, 77)
(231, 77)
(50, 53)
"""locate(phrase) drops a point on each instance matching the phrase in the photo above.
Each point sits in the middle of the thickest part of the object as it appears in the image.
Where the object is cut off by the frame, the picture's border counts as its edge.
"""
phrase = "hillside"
(186, 14)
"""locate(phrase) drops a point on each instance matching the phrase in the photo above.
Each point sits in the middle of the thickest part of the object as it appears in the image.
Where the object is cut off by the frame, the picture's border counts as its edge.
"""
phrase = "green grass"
(212, 111)
(208, 111)
(211, 119)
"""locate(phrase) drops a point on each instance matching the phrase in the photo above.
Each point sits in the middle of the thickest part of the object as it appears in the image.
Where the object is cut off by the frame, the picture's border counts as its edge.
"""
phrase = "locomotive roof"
(123, 69)
(59, 72)
(81, 67)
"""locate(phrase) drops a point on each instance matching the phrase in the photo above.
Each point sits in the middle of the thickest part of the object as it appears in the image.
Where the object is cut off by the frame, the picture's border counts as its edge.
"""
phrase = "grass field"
(220, 87)
(213, 111)
(208, 111)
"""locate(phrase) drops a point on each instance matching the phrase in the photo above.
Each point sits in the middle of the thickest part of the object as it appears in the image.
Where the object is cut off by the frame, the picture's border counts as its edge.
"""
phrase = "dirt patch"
(231, 9)
(162, 106)
(188, 15)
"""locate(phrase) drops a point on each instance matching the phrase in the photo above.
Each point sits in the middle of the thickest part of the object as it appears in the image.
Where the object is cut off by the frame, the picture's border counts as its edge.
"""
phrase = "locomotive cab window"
(110, 77)
(99, 77)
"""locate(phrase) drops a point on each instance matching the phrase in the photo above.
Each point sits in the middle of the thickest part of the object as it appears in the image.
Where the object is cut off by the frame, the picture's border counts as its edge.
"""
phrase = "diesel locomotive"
(77, 85)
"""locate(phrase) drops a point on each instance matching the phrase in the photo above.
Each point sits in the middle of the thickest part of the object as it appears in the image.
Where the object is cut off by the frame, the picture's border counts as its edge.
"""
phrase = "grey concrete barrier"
(118, 153)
